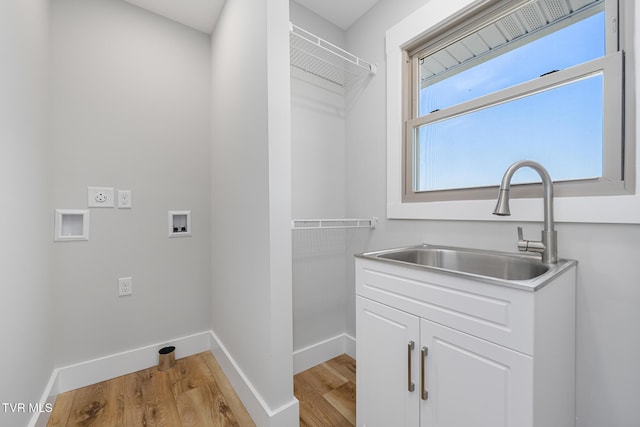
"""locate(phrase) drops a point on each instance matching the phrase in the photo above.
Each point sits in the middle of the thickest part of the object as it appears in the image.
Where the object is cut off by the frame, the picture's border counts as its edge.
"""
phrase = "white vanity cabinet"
(443, 350)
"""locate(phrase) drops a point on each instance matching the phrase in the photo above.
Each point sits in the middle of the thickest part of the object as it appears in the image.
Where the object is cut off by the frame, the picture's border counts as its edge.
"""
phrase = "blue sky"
(561, 128)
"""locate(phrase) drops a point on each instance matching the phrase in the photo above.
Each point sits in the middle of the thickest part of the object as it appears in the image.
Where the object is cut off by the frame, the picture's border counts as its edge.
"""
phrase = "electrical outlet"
(125, 286)
(124, 199)
(100, 197)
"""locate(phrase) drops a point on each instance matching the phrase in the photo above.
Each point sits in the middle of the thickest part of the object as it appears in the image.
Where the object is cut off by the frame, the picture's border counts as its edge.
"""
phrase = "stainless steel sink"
(505, 268)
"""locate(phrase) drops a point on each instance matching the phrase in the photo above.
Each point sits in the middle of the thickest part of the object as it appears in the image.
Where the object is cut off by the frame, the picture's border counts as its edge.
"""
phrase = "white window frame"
(621, 208)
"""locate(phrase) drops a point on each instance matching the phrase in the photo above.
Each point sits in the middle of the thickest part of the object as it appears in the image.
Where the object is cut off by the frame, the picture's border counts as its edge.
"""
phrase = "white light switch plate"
(100, 197)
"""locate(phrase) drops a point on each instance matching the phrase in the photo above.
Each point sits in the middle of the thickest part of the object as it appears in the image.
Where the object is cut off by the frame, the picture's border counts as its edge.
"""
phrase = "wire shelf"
(311, 224)
(319, 58)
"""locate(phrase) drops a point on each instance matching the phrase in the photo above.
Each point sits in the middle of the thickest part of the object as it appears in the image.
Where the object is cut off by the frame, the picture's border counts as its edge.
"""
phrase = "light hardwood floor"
(193, 393)
(327, 393)
(196, 393)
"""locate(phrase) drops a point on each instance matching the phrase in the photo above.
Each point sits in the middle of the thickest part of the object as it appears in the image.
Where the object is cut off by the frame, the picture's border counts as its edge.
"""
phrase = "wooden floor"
(196, 393)
(327, 393)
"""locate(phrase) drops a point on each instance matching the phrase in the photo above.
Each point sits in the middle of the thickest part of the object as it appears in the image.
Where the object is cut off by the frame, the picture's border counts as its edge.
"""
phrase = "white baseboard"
(285, 416)
(318, 353)
(93, 371)
(350, 345)
(104, 368)
(41, 419)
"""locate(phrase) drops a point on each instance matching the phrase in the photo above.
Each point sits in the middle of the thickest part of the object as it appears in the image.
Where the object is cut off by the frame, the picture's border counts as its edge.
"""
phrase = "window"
(509, 80)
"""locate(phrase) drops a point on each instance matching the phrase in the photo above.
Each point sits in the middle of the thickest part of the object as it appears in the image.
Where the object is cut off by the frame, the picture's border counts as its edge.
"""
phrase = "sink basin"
(505, 267)
(519, 270)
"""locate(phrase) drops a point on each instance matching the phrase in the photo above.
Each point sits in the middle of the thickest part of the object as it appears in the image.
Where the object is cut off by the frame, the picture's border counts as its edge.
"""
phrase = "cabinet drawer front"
(499, 314)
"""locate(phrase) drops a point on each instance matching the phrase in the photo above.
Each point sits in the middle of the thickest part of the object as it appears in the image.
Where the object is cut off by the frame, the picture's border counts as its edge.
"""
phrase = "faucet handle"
(523, 245)
(528, 245)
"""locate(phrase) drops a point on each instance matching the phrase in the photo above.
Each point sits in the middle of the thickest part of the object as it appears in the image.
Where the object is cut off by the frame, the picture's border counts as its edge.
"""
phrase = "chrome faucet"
(548, 247)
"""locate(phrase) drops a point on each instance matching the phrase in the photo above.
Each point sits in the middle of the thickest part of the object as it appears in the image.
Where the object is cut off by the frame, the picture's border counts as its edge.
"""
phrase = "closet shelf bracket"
(311, 224)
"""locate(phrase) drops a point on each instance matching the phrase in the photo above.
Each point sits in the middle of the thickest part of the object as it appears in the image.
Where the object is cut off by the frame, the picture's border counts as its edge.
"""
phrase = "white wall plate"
(100, 197)
(124, 199)
(179, 223)
(71, 224)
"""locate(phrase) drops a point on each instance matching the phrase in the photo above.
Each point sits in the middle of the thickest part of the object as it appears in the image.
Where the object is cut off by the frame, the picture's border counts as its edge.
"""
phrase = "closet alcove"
(324, 78)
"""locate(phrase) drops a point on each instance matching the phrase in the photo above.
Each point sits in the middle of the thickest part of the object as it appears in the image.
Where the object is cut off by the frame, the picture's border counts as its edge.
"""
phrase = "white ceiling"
(199, 14)
(203, 14)
(342, 13)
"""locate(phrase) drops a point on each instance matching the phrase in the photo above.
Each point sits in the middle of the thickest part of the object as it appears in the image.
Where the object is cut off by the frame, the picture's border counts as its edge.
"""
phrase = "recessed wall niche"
(179, 223)
(71, 224)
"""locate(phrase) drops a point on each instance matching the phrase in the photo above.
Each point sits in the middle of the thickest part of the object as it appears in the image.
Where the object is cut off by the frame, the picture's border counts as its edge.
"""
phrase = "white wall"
(25, 245)
(318, 191)
(132, 101)
(251, 198)
(608, 304)
(130, 110)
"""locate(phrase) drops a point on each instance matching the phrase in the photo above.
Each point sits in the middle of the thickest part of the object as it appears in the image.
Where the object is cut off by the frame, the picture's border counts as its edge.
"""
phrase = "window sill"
(610, 209)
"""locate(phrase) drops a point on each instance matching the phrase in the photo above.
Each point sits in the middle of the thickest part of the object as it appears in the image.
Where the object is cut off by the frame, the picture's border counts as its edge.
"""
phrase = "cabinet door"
(473, 382)
(386, 366)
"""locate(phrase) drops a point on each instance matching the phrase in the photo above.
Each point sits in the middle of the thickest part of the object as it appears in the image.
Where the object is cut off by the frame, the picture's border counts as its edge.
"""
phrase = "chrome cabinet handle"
(410, 347)
(424, 394)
